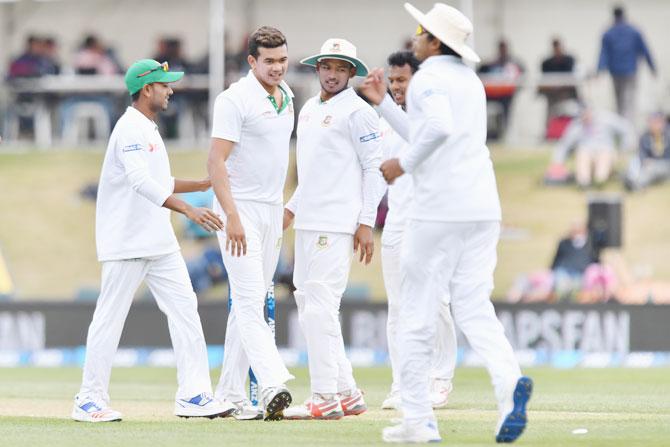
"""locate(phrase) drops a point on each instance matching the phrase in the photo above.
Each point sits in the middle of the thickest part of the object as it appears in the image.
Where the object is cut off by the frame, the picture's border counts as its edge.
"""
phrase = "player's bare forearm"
(181, 186)
(218, 174)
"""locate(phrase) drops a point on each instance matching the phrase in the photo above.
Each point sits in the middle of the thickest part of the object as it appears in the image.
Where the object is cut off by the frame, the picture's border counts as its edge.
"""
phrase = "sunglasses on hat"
(164, 66)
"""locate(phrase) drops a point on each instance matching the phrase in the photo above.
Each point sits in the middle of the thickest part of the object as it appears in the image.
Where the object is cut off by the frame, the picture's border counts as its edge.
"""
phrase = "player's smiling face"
(398, 81)
(160, 96)
(270, 66)
(334, 75)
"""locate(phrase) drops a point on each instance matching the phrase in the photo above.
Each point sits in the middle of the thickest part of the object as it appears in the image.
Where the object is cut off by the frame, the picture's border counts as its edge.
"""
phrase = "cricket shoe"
(352, 402)
(275, 400)
(246, 411)
(439, 392)
(511, 426)
(88, 410)
(317, 407)
(415, 433)
(392, 401)
(203, 406)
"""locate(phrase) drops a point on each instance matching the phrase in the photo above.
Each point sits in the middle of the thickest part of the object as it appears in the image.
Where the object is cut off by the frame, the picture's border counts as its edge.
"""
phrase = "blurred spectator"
(622, 46)
(504, 73)
(51, 55)
(558, 62)
(575, 274)
(170, 51)
(34, 62)
(652, 163)
(592, 136)
(94, 58)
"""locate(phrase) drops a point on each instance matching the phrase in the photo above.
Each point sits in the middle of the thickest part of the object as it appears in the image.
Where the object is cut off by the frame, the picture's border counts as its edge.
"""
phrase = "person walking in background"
(453, 228)
(621, 47)
(248, 160)
(402, 66)
(136, 242)
(334, 206)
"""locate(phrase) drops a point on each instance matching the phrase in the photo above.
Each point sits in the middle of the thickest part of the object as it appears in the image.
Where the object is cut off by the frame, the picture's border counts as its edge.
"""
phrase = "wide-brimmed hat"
(338, 49)
(449, 25)
(148, 71)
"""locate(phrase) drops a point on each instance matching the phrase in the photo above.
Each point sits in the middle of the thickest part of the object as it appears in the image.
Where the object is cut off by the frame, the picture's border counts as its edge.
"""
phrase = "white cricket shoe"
(392, 401)
(275, 400)
(246, 411)
(203, 406)
(89, 410)
(439, 392)
(418, 433)
(317, 407)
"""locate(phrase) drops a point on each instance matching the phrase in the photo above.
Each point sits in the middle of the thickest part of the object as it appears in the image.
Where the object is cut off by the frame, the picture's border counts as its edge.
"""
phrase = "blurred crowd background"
(578, 100)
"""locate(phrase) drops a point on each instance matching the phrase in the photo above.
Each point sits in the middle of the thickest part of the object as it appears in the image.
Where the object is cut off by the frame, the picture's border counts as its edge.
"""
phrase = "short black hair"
(266, 37)
(136, 96)
(618, 13)
(402, 58)
(444, 48)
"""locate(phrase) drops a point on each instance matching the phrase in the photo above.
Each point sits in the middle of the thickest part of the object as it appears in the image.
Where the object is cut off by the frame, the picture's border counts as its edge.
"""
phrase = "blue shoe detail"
(89, 407)
(515, 421)
(200, 400)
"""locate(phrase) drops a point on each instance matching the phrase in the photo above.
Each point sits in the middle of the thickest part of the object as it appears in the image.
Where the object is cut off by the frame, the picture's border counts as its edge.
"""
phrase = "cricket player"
(251, 128)
(135, 242)
(454, 226)
(334, 207)
(402, 66)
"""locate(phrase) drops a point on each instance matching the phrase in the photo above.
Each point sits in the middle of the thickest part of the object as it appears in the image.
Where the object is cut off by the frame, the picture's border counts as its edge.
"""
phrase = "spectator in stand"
(622, 46)
(170, 51)
(51, 55)
(507, 71)
(592, 136)
(558, 62)
(652, 163)
(33, 62)
(94, 58)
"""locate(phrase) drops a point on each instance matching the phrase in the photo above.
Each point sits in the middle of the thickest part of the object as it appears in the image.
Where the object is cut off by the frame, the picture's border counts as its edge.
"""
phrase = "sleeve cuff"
(370, 222)
(406, 165)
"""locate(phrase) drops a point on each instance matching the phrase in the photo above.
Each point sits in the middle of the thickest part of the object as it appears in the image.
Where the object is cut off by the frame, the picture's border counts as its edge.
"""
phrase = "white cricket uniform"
(399, 201)
(257, 166)
(453, 229)
(135, 242)
(339, 188)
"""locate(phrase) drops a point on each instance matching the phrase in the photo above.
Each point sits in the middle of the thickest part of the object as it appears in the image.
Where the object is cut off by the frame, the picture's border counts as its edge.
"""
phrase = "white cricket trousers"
(462, 257)
(170, 285)
(249, 340)
(444, 353)
(322, 264)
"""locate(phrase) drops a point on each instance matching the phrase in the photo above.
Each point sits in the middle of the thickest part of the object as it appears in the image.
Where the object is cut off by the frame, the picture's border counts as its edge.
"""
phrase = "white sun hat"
(449, 25)
(338, 49)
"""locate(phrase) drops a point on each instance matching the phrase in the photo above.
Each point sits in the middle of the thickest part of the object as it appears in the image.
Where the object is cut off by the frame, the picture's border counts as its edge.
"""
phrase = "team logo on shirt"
(132, 147)
(327, 120)
(322, 242)
(153, 147)
(369, 137)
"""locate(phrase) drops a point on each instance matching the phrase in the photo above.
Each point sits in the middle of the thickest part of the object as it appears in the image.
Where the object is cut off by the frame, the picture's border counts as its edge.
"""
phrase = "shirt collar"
(442, 58)
(258, 87)
(136, 114)
(339, 97)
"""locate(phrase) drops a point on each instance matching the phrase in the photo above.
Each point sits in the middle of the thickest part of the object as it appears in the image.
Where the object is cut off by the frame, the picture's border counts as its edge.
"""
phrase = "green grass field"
(618, 407)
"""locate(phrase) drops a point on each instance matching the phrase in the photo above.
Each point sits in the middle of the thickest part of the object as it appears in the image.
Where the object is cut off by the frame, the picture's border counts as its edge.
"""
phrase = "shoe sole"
(516, 421)
(275, 408)
(222, 414)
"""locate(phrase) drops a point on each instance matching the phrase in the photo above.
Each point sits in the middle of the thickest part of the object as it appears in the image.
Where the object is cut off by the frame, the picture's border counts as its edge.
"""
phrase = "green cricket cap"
(148, 71)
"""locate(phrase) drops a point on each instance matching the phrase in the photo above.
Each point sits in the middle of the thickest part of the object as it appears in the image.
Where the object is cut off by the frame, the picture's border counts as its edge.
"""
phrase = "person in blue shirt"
(622, 46)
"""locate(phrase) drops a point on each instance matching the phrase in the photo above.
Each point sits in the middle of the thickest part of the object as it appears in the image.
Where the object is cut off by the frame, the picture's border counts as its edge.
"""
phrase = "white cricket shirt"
(135, 182)
(448, 158)
(338, 154)
(400, 192)
(245, 115)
